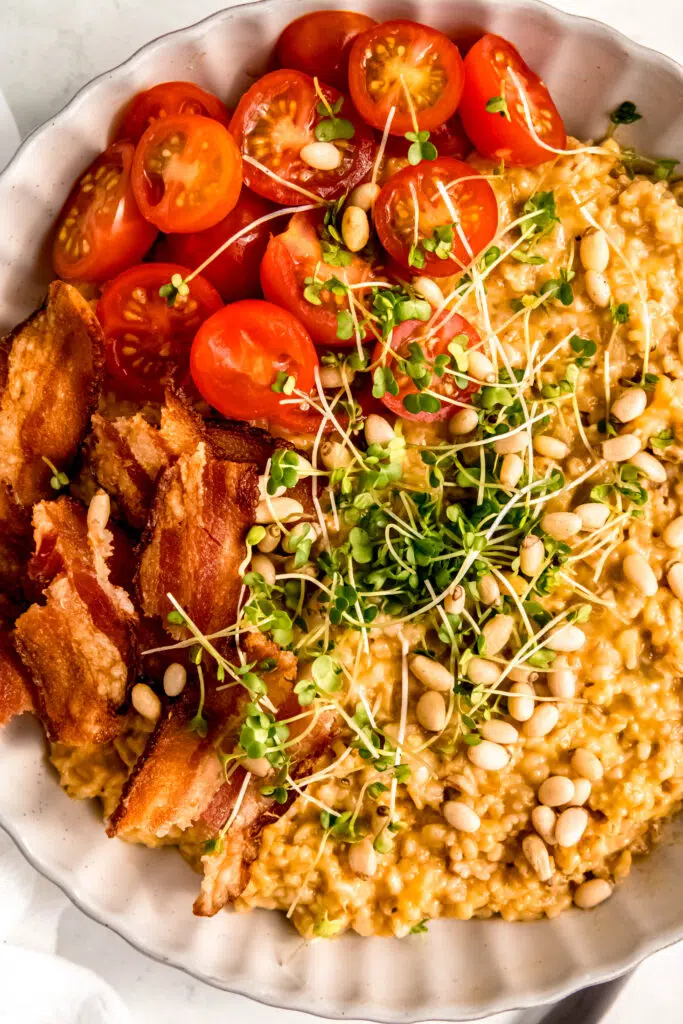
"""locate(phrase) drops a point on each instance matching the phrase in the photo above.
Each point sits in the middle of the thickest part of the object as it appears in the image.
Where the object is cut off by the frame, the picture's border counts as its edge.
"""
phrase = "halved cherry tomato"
(237, 356)
(187, 173)
(446, 386)
(276, 118)
(294, 260)
(471, 198)
(166, 100)
(449, 140)
(319, 43)
(235, 273)
(100, 230)
(147, 341)
(505, 135)
(398, 58)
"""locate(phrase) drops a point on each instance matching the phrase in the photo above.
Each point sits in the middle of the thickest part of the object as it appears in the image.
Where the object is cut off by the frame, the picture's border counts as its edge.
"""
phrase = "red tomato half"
(293, 257)
(166, 100)
(147, 341)
(446, 386)
(495, 135)
(237, 355)
(187, 173)
(275, 119)
(319, 43)
(100, 230)
(399, 57)
(235, 273)
(473, 200)
(449, 140)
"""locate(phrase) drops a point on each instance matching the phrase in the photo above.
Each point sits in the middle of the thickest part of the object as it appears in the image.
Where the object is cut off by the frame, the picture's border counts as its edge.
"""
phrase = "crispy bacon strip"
(15, 684)
(51, 370)
(126, 455)
(80, 644)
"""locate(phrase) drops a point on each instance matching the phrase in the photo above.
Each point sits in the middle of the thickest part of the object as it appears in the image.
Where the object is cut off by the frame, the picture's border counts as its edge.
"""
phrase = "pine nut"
(650, 466)
(531, 555)
(587, 765)
(556, 791)
(431, 711)
(593, 515)
(278, 510)
(145, 701)
(482, 672)
(521, 706)
(175, 677)
(489, 591)
(263, 565)
(674, 578)
(378, 430)
(480, 366)
(566, 639)
(302, 531)
(515, 358)
(497, 632)
(335, 455)
(597, 288)
(550, 447)
(543, 819)
(335, 376)
(259, 766)
(673, 534)
(99, 510)
(305, 570)
(364, 195)
(355, 228)
(522, 675)
(591, 893)
(543, 721)
(561, 525)
(322, 156)
(637, 571)
(271, 539)
(454, 602)
(511, 469)
(429, 290)
(571, 825)
(499, 731)
(621, 449)
(460, 816)
(536, 852)
(629, 405)
(362, 858)
(464, 421)
(594, 251)
(505, 444)
(489, 756)
(582, 790)
(432, 674)
(561, 682)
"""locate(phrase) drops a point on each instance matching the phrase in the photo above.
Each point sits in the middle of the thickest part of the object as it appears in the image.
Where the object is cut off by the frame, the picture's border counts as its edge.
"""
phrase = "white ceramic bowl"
(460, 969)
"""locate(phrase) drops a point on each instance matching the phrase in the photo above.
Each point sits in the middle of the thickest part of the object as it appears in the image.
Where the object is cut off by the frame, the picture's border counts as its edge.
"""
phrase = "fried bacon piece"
(80, 644)
(179, 772)
(195, 538)
(15, 683)
(50, 370)
(15, 547)
(126, 455)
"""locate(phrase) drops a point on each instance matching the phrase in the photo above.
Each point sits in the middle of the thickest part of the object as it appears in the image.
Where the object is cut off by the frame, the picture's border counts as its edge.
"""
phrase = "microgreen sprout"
(59, 478)
(498, 105)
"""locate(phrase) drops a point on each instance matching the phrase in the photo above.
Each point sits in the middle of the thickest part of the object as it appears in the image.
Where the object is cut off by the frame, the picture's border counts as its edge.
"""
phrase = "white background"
(48, 50)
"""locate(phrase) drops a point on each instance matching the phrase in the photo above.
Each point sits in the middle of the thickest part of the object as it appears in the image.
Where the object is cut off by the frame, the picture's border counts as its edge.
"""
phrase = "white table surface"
(48, 50)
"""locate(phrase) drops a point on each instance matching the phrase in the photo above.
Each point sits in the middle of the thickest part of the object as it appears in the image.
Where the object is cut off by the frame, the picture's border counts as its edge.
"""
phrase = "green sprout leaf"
(498, 105)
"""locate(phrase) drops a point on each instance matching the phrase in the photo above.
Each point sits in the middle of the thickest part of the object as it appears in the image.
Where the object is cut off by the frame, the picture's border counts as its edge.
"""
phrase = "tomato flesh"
(147, 341)
(100, 230)
(187, 173)
(487, 76)
(397, 59)
(275, 119)
(453, 396)
(166, 100)
(319, 44)
(237, 356)
(471, 198)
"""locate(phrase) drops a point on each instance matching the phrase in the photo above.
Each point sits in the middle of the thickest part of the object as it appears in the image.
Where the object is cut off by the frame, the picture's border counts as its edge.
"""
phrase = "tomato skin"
(116, 233)
(427, 51)
(319, 44)
(158, 333)
(164, 100)
(237, 354)
(258, 124)
(235, 273)
(492, 134)
(475, 202)
(195, 187)
(414, 330)
(297, 254)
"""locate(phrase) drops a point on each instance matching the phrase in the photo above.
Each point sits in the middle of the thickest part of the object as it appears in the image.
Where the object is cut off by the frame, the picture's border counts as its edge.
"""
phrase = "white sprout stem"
(238, 803)
(382, 146)
(536, 137)
(283, 181)
(401, 722)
